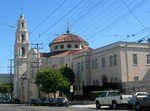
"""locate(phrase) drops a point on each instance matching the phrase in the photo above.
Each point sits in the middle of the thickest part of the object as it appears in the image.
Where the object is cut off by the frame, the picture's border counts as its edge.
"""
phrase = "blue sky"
(99, 22)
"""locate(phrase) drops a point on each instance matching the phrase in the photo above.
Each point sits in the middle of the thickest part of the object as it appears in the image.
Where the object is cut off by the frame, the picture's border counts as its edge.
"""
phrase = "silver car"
(139, 103)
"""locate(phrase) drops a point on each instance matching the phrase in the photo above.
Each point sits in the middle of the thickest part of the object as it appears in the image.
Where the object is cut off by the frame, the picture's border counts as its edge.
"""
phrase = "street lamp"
(71, 91)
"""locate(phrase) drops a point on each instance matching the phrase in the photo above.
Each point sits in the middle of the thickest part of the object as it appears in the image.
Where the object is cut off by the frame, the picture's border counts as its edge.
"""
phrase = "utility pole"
(38, 58)
(16, 77)
(38, 62)
(11, 81)
(148, 40)
(126, 57)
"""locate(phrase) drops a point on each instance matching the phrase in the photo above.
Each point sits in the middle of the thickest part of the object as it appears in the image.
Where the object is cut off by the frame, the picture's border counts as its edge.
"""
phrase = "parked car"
(141, 94)
(139, 103)
(32, 102)
(48, 101)
(111, 98)
(6, 100)
(40, 102)
(1, 99)
(62, 102)
(14, 101)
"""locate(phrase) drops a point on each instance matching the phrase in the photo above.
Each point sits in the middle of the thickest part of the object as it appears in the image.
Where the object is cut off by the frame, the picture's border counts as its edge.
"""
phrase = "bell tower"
(21, 50)
(21, 41)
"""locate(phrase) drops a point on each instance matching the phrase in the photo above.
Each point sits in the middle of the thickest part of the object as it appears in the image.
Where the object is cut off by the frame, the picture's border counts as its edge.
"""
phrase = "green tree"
(50, 81)
(70, 75)
(5, 88)
(67, 73)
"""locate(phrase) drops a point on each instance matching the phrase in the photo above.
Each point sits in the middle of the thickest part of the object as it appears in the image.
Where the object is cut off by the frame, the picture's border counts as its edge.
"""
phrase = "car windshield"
(103, 94)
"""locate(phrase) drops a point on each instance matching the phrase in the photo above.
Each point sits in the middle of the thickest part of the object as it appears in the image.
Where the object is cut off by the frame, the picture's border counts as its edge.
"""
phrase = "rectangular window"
(72, 65)
(96, 64)
(82, 67)
(78, 66)
(103, 62)
(148, 59)
(134, 56)
(87, 64)
(93, 64)
(136, 78)
(115, 60)
(111, 61)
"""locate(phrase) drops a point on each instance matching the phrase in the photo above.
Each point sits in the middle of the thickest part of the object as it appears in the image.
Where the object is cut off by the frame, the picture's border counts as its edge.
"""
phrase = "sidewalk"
(84, 106)
(84, 102)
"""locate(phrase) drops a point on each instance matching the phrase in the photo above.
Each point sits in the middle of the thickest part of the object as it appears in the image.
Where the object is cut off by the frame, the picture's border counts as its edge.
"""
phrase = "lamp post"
(148, 40)
(126, 58)
(71, 91)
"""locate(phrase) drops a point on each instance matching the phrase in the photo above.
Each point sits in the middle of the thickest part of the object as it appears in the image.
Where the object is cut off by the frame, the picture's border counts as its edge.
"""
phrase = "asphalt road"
(22, 107)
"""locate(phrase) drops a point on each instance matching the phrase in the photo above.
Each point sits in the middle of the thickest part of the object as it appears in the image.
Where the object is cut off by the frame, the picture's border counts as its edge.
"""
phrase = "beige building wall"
(112, 72)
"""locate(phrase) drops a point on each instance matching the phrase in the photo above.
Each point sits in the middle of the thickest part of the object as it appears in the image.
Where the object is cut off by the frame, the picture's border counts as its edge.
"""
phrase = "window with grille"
(134, 56)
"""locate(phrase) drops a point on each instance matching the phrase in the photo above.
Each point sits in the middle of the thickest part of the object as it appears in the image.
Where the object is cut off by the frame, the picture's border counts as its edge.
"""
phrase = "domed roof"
(68, 37)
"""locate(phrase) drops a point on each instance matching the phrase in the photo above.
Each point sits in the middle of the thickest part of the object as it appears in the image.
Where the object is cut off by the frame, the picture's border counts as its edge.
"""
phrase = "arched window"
(56, 47)
(22, 24)
(22, 38)
(76, 46)
(104, 80)
(22, 51)
(62, 46)
(83, 83)
(69, 45)
(93, 82)
(112, 79)
(116, 79)
(97, 82)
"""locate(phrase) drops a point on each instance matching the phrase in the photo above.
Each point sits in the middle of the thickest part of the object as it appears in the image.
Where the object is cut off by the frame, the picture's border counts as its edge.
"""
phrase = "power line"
(135, 16)
(77, 14)
(48, 16)
(122, 16)
(59, 19)
(38, 58)
(104, 11)
(6, 24)
(11, 81)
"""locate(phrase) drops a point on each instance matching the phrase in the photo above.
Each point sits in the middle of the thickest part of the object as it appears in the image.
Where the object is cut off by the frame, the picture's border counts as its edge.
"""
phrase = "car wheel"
(114, 105)
(129, 107)
(138, 106)
(98, 106)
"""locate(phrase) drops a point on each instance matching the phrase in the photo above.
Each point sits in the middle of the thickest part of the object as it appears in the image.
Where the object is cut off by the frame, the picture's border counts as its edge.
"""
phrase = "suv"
(141, 94)
(111, 98)
(138, 103)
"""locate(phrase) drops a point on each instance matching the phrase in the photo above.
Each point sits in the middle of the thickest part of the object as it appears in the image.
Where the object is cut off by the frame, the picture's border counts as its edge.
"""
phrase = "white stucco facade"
(123, 62)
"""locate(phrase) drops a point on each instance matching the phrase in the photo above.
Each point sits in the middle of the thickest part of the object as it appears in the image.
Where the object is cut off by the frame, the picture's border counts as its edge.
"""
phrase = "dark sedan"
(32, 102)
(62, 102)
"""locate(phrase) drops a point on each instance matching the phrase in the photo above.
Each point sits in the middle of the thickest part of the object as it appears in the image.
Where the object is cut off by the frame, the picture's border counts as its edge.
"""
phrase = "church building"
(124, 62)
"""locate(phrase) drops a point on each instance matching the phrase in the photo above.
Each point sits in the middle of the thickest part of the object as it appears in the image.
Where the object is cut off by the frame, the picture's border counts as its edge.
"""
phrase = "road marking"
(19, 109)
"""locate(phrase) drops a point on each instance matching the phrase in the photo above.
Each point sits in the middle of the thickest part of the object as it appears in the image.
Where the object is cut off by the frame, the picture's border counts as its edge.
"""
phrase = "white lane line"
(19, 109)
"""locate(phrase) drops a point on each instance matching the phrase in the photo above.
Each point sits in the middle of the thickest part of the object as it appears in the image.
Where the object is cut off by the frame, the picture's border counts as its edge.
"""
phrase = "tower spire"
(21, 15)
(68, 28)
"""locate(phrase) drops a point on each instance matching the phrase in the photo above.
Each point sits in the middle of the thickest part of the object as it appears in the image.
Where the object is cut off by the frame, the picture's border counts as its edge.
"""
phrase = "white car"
(141, 94)
(111, 98)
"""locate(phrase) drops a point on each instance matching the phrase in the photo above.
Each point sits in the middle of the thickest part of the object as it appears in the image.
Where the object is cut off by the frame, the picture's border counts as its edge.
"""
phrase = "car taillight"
(120, 97)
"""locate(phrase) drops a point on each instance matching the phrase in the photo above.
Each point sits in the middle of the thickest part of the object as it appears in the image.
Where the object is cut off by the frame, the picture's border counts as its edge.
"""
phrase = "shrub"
(79, 97)
(87, 89)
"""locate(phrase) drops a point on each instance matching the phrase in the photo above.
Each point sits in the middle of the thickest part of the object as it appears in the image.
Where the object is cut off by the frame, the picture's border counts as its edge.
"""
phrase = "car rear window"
(114, 94)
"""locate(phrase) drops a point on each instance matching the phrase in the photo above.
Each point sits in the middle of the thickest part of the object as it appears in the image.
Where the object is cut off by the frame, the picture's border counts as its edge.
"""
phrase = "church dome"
(68, 37)
(67, 41)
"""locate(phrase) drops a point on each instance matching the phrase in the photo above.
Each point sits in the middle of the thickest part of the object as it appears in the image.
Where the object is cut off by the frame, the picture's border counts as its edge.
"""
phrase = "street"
(23, 107)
